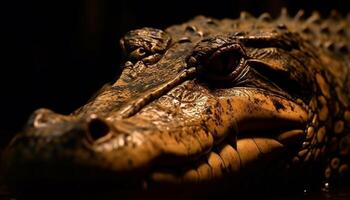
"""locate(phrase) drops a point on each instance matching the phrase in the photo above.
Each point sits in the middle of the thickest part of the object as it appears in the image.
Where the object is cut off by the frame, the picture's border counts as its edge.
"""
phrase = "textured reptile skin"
(244, 102)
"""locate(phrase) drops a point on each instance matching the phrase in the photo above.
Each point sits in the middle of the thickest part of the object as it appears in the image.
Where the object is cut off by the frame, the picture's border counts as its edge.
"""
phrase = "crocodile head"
(202, 103)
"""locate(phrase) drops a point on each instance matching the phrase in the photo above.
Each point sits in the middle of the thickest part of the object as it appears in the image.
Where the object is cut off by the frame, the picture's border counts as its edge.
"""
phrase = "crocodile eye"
(146, 44)
(226, 63)
(226, 59)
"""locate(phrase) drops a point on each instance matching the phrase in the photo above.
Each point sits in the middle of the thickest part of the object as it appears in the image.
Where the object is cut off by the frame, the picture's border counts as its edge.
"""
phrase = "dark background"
(56, 54)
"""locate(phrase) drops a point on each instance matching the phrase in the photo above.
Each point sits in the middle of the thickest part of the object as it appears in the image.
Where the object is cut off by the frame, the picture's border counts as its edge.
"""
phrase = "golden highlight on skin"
(205, 102)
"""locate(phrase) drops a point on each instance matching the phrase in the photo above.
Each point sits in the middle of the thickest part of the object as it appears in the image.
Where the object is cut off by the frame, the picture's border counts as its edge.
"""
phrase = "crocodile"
(219, 104)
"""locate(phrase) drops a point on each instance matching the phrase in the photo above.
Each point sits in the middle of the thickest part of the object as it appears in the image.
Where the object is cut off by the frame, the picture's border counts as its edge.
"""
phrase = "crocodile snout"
(46, 123)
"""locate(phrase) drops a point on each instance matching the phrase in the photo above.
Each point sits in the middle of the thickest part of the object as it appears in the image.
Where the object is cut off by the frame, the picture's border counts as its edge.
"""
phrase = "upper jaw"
(180, 127)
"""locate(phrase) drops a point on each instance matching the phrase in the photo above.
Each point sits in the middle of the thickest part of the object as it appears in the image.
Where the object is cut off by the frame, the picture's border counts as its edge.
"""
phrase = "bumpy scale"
(206, 102)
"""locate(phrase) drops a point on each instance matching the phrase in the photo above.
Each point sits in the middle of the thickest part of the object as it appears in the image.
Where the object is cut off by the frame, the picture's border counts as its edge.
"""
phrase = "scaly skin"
(240, 102)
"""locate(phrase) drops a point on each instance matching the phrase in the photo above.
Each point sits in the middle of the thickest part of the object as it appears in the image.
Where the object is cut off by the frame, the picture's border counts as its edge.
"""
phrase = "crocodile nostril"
(97, 128)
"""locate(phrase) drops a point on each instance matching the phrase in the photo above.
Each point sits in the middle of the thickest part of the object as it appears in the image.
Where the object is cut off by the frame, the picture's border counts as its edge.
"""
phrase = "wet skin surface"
(208, 105)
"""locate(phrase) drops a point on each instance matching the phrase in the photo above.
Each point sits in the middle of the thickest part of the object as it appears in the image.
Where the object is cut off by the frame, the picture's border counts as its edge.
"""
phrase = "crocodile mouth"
(179, 133)
(188, 119)
(183, 156)
(188, 134)
(92, 165)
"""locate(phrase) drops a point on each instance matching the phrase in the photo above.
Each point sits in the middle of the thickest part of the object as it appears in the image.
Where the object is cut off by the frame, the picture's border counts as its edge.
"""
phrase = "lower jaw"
(237, 184)
(227, 164)
(231, 158)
